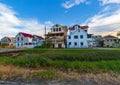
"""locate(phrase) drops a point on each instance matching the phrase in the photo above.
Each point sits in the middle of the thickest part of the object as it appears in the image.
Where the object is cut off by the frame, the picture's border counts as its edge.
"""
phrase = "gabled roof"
(26, 35)
(40, 37)
(7, 38)
(110, 37)
(82, 27)
(30, 35)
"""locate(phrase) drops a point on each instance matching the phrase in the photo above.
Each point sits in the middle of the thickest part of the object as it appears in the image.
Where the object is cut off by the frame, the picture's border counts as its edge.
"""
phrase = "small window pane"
(81, 36)
(75, 37)
(82, 43)
(69, 37)
(69, 43)
(75, 43)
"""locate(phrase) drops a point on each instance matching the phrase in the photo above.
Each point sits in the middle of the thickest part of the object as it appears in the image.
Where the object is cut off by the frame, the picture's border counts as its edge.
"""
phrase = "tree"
(101, 43)
(47, 44)
(118, 33)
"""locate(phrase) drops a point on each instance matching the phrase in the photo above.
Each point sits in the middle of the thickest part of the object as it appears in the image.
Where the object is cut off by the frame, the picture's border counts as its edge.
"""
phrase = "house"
(96, 40)
(111, 41)
(28, 40)
(90, 40)
(57, 36)
(37, 40)
(8, 41)
(77, 37)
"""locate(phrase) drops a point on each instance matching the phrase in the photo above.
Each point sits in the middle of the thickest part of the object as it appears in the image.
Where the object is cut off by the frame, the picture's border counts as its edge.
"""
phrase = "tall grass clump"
(45, 74)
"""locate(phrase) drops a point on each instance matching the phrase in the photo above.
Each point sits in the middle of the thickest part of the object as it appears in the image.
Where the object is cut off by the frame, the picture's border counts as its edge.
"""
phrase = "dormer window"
(76, 27)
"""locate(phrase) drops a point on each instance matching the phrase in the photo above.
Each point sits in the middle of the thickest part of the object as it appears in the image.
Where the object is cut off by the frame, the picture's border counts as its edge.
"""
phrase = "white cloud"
(107, 20)
(70, 3)
(107, 23)
(107, 8)
(110, 1)
(10, 24)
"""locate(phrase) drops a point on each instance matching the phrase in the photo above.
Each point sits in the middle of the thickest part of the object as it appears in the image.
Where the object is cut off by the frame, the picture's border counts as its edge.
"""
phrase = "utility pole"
(45, 36)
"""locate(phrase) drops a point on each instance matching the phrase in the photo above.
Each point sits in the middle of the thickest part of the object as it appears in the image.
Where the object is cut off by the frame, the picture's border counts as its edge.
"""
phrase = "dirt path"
(10, 50)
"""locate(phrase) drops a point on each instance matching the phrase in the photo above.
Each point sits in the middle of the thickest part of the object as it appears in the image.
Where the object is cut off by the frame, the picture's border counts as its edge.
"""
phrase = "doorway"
(59, 45)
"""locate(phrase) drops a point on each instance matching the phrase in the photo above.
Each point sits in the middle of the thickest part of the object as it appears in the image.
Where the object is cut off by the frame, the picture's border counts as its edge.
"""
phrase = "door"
(59, 45)
(53, 46)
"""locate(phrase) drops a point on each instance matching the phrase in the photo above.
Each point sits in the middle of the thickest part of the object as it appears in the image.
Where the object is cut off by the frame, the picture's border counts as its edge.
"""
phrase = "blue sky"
(53, 10)
(31, 15)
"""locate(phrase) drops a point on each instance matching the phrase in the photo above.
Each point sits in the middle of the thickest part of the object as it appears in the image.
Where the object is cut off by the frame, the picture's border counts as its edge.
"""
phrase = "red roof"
(109, 37)
(27, 35)
(82, 27)
(38, 37)
(8, 39)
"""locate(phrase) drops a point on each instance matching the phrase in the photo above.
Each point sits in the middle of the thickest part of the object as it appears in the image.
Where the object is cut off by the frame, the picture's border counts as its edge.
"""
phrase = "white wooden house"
(10, 41)
(28, 40)
(77, 37)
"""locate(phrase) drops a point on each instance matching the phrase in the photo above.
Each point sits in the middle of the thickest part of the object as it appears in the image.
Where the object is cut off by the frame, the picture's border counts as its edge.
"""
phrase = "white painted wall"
(77, 32)
(22, 43)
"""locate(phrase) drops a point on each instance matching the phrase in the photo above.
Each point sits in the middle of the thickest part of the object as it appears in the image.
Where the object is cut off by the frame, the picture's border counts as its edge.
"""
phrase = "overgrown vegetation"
(85, 60)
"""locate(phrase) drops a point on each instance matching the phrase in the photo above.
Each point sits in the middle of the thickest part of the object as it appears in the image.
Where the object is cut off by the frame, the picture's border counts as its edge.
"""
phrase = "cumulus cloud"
(70, 3)
(10, 24)
(110, 1)
(107, 20)
(106, 23)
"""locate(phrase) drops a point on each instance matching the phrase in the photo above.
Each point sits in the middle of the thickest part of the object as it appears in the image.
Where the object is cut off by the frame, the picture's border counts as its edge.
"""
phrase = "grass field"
(84, 60)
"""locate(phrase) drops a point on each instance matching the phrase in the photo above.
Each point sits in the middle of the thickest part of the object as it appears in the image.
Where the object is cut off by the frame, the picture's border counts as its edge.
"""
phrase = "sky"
(31, 16)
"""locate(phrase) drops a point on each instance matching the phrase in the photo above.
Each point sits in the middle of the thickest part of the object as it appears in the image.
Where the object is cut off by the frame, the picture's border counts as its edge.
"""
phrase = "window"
(82, 43)
(75, 43)
(53, 30)
(89, 36)
(22, 39)
(76, 27)
(75, 37)
(81, 36)
(56, 29)
(18, 39)
(26, 43)
(69, 37)
(30, 43)
(69, 43)
(59, 29)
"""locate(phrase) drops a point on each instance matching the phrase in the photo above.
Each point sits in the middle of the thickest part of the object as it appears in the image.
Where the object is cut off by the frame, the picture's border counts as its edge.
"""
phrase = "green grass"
(85, 60)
